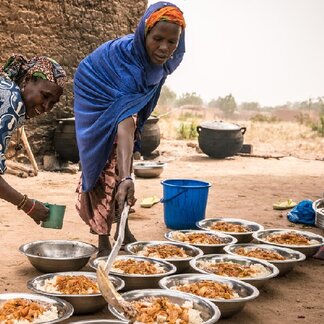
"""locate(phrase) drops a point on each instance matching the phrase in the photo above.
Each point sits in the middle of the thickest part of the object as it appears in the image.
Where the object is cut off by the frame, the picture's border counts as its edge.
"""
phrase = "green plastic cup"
(55, 218)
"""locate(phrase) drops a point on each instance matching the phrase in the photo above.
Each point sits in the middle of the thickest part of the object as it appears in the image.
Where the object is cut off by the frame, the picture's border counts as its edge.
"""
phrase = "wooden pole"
(30, 154)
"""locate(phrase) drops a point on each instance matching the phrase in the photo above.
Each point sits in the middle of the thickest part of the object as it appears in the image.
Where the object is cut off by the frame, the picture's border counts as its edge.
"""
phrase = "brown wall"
(66, 30)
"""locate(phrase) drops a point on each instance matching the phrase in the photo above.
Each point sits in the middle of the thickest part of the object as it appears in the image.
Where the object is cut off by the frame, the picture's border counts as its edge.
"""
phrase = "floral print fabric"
(12, 115)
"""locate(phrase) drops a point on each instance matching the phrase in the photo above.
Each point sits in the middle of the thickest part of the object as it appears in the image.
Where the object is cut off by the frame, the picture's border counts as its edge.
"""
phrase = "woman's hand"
(37, 212)
(125, 193)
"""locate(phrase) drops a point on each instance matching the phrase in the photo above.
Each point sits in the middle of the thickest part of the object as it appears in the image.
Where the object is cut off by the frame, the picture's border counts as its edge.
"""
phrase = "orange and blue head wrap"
(169, 14)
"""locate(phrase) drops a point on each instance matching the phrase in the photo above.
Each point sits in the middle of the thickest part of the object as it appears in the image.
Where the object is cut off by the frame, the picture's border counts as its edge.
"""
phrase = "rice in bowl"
(163, 251)
(208, 289)
(156, 310)
(69, 285)
(138, 267)
(290, 238)
(26, 311)
(197, 238)
(233, 269)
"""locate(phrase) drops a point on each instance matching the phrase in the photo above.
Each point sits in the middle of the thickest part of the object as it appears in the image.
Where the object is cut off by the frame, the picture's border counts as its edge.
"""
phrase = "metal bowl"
(137, 281)
(206, 248)
(58, 255)
(209, 312)
(148, 169)
(65, 309)
(308, 250)
(227, 307)
(82, 304)
(318, 206)
(182, 264)
(99, 321)
(256, 282)
(284, 266)
(245, 237)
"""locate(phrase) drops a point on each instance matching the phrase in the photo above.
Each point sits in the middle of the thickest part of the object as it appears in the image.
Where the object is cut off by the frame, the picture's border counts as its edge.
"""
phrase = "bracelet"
(22, 203)
(32, 207)
(124, 179)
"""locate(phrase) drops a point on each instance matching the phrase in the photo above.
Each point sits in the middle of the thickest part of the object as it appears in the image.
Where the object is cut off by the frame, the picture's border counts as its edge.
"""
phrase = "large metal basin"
(209, 312)
(182, 264)
(256, 282)
(137, 281)
(244, 237)
(308, 250)
(227, 307)
(206, 248)
(284, 266)
(82, 304)
(58, 255)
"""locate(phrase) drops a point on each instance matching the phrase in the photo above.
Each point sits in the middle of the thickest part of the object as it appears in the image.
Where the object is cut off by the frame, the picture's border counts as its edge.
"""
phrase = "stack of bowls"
(318, 206)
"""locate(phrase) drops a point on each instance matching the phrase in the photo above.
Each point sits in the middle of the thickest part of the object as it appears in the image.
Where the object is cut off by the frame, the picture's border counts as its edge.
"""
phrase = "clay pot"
(150, 138)
(65, 143)
(218, 139)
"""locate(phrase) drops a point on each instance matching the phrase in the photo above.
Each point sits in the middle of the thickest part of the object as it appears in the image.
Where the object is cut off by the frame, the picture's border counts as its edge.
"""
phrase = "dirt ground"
(242, 187)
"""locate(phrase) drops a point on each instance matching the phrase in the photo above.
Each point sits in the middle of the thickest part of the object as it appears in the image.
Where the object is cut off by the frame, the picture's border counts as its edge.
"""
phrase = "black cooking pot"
(218, 139)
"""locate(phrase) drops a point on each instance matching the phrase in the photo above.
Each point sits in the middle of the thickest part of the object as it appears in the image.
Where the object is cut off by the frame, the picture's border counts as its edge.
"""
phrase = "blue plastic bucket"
(184, 201)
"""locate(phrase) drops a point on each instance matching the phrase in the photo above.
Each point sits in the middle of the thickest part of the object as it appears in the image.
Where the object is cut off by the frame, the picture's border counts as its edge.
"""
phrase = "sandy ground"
(242, 187)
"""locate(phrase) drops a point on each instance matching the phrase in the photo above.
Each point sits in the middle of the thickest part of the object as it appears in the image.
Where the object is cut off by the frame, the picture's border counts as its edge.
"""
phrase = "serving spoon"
(106, 287)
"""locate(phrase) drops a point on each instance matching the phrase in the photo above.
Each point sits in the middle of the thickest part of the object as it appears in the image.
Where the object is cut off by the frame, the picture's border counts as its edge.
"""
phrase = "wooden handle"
(28, 149)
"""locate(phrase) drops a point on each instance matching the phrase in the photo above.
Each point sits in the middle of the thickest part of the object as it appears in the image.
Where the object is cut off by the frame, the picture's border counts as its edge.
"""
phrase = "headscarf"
(18, 68)
(168, 14)
(114, 82)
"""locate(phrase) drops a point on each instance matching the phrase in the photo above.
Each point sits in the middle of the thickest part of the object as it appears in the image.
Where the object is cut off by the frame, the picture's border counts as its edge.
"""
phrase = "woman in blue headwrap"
(28, 88)
(115, 90)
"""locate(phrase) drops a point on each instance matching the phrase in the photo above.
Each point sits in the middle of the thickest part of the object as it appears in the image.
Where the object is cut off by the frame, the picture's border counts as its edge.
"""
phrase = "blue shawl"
(111, 84)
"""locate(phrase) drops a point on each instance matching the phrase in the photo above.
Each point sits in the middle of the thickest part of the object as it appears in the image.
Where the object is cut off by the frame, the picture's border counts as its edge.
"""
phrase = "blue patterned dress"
(12, 115)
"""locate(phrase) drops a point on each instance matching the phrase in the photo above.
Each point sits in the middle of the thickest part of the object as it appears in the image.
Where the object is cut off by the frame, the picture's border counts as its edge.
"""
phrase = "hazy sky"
(270, 51)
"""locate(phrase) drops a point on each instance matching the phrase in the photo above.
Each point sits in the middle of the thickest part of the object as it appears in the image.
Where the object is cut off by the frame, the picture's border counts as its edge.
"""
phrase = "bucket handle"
(178, 194)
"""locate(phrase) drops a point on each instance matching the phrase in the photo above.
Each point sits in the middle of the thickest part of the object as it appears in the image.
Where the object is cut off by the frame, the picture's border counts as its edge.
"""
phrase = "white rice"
(49, 285)
(158, 268)
(260, 270)
(49, 315)
(193, 314)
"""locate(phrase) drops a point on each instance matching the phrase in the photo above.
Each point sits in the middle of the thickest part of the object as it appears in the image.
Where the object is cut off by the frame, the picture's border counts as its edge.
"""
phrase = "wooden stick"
(28, 149)
(261, 156)
(17, 173)
(20, 167)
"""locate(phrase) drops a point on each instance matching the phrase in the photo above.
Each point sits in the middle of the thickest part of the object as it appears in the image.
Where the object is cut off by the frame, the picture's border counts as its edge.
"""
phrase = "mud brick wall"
(66, 30)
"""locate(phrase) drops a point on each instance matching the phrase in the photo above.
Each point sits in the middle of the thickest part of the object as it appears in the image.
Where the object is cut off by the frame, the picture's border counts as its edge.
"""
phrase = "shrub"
(187, 131)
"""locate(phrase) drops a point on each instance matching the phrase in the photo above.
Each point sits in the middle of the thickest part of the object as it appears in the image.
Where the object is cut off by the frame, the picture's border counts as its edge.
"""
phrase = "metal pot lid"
(219, 125)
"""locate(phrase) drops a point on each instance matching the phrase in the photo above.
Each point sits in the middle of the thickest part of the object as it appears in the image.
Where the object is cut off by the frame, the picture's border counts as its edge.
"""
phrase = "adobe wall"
(66, 30)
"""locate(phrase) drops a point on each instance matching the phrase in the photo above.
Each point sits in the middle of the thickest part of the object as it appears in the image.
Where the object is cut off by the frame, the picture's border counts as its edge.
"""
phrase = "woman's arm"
(125, 146)
(35, 209)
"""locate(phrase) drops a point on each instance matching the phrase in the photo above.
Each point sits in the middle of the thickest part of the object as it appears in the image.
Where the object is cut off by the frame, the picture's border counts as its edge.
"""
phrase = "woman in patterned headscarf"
(115, 90)
(28, 88)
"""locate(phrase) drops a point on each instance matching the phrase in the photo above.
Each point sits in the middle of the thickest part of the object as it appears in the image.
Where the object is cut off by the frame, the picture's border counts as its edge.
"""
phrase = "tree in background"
(250, 106)
(226, 104)
(167, 97)
(189, 99)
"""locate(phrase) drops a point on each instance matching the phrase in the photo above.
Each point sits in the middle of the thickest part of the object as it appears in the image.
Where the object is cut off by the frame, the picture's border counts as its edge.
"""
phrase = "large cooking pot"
(65, 143)
(150, 137)
(219, 139)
